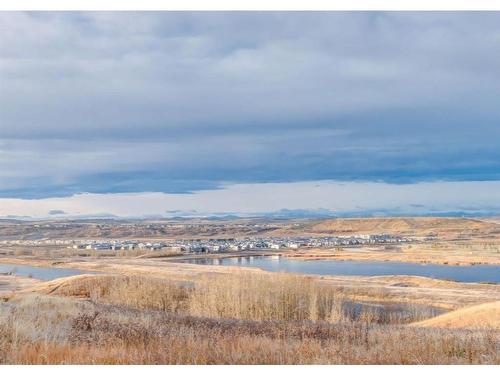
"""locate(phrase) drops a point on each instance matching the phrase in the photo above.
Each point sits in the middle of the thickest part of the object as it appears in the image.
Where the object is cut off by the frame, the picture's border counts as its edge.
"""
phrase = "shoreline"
(10, 284)
(404, 256)
(299, 255)
(394, 289)
(345, 255)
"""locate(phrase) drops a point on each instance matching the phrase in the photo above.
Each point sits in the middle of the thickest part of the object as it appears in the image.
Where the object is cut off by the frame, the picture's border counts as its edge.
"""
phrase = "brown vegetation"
(241, 295)
(412, 226)
(38, 329)
(387, 289)
(484, 316)
(465, 253)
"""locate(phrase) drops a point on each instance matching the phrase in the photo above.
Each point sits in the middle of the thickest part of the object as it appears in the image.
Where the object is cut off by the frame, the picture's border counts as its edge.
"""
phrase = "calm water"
(41, 273)
(477, 273)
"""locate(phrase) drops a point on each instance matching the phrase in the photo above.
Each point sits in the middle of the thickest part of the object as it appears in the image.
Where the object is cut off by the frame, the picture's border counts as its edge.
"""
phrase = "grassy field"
(386, 289)
(486, 316)
(464, 253)
(239, 318)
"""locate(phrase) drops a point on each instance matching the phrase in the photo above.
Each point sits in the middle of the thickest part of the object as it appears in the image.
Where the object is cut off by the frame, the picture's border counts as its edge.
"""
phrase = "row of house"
(232, 244)
(118, 245)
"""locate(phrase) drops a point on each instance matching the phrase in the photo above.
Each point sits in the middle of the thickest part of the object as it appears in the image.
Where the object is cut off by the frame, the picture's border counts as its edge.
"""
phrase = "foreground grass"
(235, 319)
(250, 296)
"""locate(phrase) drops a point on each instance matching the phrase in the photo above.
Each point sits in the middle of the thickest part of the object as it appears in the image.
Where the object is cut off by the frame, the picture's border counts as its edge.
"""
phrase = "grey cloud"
(81, 73)
(109, 101)
(57, 212)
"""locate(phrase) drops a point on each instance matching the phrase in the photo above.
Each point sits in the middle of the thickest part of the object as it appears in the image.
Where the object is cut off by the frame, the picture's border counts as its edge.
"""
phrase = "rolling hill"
(486, 315)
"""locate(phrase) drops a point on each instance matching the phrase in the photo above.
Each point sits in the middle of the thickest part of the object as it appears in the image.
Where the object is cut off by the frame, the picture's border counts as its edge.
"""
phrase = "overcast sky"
(201, 104)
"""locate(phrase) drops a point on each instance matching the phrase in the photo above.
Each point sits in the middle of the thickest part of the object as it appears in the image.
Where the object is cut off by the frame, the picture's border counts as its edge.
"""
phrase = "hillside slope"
(416, 226)
(486, 315)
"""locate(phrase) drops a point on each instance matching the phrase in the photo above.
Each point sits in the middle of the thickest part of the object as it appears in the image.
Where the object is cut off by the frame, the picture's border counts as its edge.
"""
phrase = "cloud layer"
(178, 102)
(307, 198)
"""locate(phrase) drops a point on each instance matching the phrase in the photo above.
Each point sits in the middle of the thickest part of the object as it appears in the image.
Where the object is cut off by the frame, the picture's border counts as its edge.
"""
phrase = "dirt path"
(12, 284)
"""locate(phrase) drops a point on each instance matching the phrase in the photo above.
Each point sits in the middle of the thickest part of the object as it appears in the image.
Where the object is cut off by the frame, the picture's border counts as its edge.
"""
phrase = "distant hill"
(94, 229)
(446, 228)
(414, 226)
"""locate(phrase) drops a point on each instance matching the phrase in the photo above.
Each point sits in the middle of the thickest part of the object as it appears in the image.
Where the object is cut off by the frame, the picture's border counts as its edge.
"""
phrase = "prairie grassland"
(56, 330)
(59, 251)
(384, 289)
(239, 295)
(485, 316)
(227, 319)
(465, 253)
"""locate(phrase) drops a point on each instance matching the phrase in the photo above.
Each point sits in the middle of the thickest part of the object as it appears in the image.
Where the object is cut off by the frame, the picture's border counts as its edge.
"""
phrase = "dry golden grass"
(240, 318)
(465, 253)
(61, 330)
(416, 290)
(264, 297)
(416, 226)
(135, 291)
(241, 295)
(11, 284)
(484, 316)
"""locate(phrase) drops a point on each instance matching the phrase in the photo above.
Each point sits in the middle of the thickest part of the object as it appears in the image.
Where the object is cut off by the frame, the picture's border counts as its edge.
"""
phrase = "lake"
(476, 273)
(40, 273)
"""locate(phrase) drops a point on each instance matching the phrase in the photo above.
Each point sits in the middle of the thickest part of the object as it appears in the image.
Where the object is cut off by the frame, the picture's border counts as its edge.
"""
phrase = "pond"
(40, 273)
(476, 273)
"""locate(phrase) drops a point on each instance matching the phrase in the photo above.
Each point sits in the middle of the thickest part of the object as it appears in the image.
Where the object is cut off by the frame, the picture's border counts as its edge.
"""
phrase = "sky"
(171, 113)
